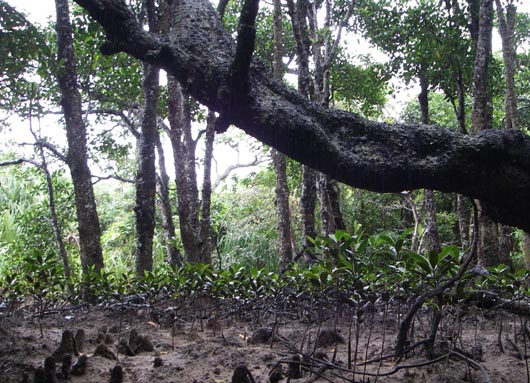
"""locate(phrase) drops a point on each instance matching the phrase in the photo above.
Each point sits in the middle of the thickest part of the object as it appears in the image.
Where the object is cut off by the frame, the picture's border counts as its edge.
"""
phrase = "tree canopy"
(489, 166)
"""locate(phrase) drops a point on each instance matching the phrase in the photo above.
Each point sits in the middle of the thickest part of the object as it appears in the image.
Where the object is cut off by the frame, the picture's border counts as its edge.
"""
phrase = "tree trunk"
(507, 32)
(432, 227)
(433, 239)
(526, 249)
(482, 119)
(87, 216)
(205, 225)
(146, 174)
(186, 178)
(482, 114)
(279, 161)
(307, 207)
(282, 209)
(415, 241)
(323, 55)
(372, 155)
(172, 252)
(326, 215)
(334, 200)
(56, 226)
(463, 212)
(298, 14)
(464, 215)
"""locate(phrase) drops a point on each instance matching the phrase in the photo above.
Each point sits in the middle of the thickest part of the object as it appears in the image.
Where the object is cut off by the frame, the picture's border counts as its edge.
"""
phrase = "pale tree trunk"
(206, 193)
(298, 14)
(323, 55)
(433, 239)
(320, 95)
(334, 199)
(279, 160)
(174, 257)
(164, 201)
(463, 214)
(194, 216)
(186, 178)
(326, 215)
(482, 119)
(526, 249)
(482, 114)
(415, 240)
(463, 211)
(507, 32)
(77, 158)
(431, 227)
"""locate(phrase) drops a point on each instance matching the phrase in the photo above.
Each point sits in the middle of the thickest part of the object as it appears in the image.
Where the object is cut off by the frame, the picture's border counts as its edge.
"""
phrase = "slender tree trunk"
(326, 215)
(56, 226)
(77, 158)
(279, 161)
(195, 232)
(172, 252)
(334, 200)
(186, 180)
(507, 32)
(526, 249)
(54, 219)
(282, 209)
(206, 237)
(463, 214)
(298, 14)
(482, 119)
(146, 174)
(174, 257)
(414, 209)
(482, 114)
(432, 227)
(428, 195)
(328, 191)
(307, 206)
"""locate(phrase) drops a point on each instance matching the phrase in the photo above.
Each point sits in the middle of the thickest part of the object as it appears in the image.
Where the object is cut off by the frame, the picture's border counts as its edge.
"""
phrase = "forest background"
(276, 213)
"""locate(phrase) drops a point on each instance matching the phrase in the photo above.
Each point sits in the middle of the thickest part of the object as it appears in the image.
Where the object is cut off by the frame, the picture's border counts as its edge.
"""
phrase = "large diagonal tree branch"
(493, 166)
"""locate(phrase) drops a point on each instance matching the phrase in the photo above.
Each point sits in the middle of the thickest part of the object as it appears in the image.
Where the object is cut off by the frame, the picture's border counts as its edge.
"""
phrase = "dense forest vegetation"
(120, 122)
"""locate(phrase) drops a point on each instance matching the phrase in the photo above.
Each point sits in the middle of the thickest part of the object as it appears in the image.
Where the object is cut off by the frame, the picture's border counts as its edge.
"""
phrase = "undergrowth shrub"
(350, 268)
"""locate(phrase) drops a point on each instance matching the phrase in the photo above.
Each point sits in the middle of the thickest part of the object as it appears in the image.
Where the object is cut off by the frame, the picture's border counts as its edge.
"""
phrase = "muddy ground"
(208, 348)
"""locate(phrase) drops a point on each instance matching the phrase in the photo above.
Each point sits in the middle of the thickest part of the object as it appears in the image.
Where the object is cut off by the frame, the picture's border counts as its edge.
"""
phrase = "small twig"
(519, 354)
(475, 364)
(499, 335)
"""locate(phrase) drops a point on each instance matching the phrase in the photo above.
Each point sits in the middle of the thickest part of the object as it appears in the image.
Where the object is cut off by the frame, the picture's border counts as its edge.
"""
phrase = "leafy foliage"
(359, 88)
(23, 49)
(352, 268)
